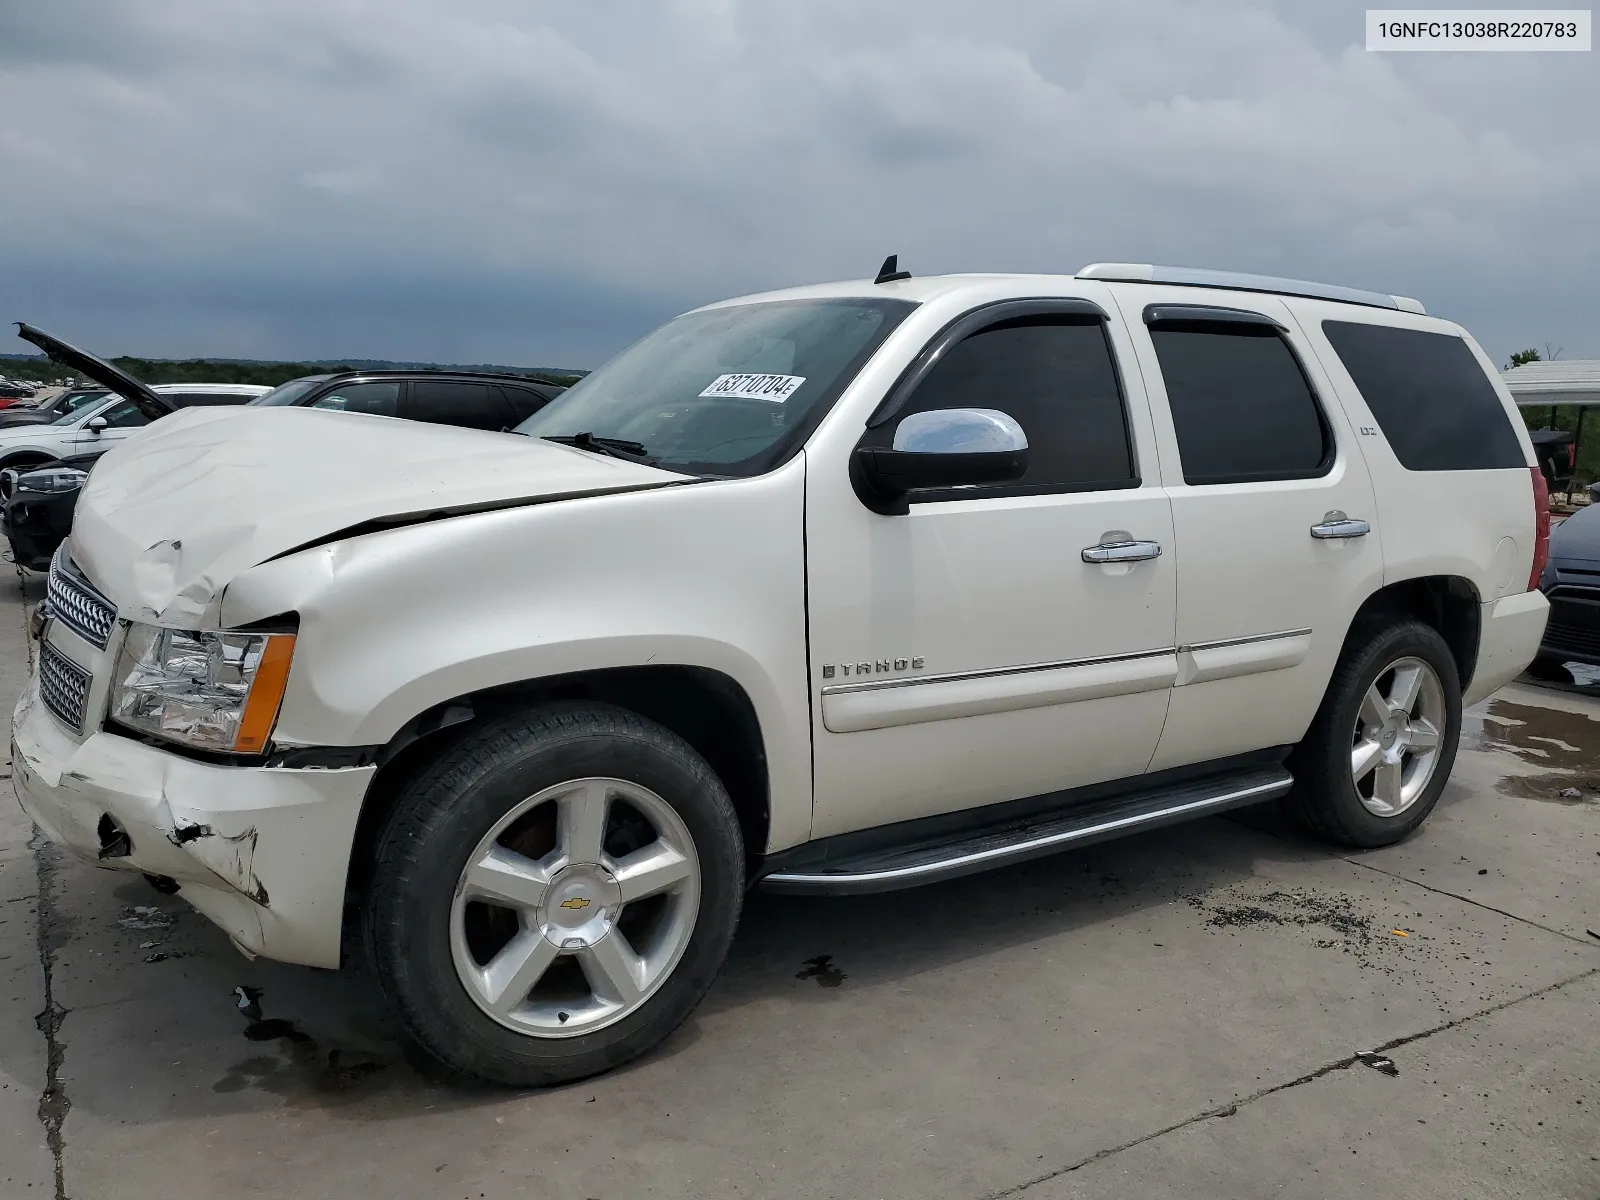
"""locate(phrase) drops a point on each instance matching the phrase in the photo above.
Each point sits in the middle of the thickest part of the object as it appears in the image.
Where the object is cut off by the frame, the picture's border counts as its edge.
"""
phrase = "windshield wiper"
(614, 447)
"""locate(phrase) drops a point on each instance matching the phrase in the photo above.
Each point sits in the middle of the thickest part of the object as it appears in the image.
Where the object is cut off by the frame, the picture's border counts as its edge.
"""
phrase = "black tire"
(455, 800)
(1325, 799)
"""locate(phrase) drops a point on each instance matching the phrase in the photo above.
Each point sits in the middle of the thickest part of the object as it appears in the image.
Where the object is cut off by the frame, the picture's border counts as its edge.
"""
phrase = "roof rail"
(1240, 282)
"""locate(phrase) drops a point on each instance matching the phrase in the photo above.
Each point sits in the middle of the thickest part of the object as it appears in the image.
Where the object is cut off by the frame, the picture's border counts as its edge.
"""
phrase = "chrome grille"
(75, 603)
(63, 685)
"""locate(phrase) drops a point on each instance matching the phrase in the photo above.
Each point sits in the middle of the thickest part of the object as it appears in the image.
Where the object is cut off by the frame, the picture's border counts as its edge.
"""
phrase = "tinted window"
(288, 393)
(124, 416)
(1055, 376)
(445, 402)
(524, 401)
(71, 402)
(376, 398)
(1240, 404)
(1432, 400)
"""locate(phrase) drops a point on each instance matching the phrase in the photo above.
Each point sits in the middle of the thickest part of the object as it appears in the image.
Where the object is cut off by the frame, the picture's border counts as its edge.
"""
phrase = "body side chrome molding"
(873, 685)
(992, 672)
(1244, 641)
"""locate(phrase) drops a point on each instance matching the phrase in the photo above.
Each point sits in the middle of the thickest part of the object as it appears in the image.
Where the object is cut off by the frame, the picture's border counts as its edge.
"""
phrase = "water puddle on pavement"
(1562, 746)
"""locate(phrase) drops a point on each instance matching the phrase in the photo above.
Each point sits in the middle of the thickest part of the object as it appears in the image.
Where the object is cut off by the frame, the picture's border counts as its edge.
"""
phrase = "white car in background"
(98, 427)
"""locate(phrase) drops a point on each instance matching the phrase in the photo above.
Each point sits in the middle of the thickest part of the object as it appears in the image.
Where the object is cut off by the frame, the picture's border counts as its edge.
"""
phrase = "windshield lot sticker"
(776, 388)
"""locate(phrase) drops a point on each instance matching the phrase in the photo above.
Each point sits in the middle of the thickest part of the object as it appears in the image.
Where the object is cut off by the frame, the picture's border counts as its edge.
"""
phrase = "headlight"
(54, 479)
(215, 691)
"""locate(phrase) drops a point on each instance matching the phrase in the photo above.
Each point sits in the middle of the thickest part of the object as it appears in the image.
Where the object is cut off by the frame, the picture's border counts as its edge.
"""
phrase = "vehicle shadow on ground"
(225, 1036)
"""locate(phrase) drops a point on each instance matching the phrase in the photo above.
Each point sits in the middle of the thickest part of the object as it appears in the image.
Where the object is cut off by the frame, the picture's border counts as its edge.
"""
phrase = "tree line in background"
(270, 374)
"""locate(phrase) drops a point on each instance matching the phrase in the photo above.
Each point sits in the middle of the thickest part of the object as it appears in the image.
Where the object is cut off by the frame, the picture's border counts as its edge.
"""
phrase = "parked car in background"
(834, 590)
(69, 400)
(99, 426)
(1571, 582)
(36, 504)
(14, 392)
(32, 514)
(37, 495)
(470, 399)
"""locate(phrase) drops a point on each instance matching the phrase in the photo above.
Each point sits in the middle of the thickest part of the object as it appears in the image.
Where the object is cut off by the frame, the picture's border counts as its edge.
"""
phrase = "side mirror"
(95, 425)
(948, 447)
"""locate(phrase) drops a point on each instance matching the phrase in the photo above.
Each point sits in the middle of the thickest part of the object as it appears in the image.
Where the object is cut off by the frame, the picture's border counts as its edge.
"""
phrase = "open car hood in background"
(97, 369)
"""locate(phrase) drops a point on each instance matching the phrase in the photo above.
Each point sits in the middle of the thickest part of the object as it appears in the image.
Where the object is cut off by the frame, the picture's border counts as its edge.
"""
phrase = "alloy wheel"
(1395, 746)
(575, 907)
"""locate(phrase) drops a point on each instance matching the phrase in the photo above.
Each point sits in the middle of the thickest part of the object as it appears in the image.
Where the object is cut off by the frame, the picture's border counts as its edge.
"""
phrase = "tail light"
(1541, 528)
(1572, 455)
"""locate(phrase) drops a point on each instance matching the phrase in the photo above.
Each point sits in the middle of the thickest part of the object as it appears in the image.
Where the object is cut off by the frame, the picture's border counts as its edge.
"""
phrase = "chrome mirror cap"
(960, 431)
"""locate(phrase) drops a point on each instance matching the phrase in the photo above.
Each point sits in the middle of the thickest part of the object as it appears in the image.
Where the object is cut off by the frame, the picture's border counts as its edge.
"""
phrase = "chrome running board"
(818, 868)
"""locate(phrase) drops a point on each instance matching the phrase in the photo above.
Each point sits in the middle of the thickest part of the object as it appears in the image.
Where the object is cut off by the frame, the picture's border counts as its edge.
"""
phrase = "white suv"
(837, 589)
(101, 424)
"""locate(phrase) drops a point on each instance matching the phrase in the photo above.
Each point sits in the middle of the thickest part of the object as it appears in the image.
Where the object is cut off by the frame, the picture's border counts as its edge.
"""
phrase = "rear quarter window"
(1431, 398)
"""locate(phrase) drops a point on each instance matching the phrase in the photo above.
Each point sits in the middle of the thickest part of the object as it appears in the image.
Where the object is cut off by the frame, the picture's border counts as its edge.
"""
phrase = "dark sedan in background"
(36, 506)
(1571, 582)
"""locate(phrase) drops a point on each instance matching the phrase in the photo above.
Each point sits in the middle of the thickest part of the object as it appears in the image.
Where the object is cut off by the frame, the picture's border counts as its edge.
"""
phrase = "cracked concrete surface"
(1174, 1014)
(27, 1164)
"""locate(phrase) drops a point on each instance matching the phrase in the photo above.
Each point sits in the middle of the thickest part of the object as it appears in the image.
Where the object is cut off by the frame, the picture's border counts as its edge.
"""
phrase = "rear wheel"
(1380, 750)
(555, 894)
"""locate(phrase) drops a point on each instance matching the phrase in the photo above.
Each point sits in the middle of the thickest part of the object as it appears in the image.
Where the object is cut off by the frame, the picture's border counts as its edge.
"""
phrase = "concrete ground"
(1177, 1014)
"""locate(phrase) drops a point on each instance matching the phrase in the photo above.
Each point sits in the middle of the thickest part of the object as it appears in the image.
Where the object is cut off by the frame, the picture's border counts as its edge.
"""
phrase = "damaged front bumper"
(261, 851)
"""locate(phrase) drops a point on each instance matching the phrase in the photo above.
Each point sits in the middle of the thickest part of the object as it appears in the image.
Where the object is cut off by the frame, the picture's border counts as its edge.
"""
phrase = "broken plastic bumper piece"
(261, 851)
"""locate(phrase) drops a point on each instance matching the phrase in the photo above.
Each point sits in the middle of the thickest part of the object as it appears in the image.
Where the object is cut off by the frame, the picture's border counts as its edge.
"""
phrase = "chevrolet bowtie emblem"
(575, 903)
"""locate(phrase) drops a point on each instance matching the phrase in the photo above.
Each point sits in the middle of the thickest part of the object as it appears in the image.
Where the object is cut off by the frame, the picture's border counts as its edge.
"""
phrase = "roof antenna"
(890, 272)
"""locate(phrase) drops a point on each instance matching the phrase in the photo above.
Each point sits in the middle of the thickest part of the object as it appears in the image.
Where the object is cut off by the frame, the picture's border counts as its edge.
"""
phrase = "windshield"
(288, 393)
(727, 391)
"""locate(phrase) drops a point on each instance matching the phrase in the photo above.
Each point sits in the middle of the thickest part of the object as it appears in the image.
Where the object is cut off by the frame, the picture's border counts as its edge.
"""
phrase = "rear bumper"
(263, 852)
(1512, 628)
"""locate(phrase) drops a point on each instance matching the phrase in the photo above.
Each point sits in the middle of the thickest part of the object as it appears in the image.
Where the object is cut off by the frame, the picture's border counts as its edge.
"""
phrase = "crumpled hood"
(169, 517)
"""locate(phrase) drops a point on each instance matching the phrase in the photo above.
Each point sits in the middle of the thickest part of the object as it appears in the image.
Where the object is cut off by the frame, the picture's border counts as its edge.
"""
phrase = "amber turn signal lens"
(266, 694)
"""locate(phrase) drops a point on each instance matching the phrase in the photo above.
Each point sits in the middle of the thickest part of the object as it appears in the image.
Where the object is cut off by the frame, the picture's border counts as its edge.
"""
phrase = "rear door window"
(1436, 407)
(454, 402)
(377, 398)
(1241, 405)
(524, 401)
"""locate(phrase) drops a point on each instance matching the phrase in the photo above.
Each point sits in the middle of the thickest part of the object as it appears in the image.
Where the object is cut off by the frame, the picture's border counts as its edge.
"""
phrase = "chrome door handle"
(1119, 552)
(1336, 525)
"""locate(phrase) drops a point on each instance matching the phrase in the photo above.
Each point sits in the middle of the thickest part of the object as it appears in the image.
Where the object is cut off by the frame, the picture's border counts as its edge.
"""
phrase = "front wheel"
(1380, 750)
(553, 895)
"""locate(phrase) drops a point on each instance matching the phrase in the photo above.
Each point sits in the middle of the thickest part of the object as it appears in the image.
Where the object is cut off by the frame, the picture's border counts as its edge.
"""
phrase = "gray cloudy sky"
(534, 182)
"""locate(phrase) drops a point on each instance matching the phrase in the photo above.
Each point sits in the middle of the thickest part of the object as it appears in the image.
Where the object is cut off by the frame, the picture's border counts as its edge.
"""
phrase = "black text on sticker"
(776, 388)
